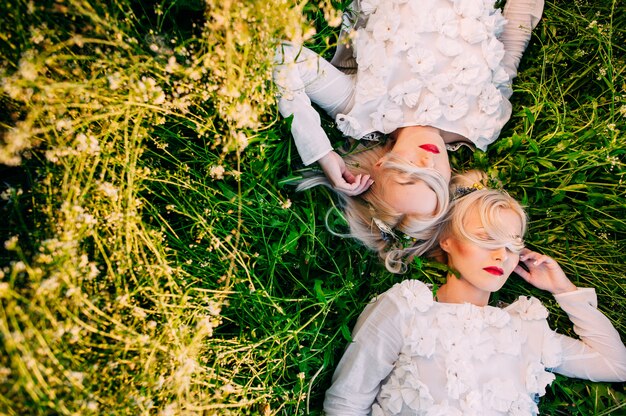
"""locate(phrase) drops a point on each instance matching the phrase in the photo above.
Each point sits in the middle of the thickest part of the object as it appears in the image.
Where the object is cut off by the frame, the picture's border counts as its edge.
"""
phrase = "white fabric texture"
(411, 355)
(442, 63)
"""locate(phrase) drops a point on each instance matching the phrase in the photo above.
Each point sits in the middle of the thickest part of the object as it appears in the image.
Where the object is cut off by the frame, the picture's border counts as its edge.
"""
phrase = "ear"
(445, 244)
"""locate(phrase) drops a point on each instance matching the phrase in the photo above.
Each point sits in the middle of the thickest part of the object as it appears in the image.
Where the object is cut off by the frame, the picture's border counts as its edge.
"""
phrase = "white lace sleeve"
(599, 354)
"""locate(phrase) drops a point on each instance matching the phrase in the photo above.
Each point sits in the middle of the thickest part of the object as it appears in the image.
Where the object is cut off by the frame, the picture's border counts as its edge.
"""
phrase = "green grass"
(157, 262)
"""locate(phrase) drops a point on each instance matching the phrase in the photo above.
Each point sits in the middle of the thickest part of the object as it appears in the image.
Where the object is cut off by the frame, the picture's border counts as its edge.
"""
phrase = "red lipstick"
(496, 271)
(430, 148)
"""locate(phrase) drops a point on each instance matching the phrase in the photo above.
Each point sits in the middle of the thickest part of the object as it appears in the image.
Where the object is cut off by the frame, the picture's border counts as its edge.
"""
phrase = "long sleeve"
(600, 354)
(523, 16)
(376, 344)
(303, 77)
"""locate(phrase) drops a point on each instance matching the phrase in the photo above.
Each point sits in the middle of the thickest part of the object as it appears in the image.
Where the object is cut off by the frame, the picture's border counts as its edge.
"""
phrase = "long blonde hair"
(393, 235)
(470, 190)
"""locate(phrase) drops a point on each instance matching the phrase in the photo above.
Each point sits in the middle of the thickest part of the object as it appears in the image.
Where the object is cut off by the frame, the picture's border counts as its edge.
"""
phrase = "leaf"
(345, 331)
(319, 293)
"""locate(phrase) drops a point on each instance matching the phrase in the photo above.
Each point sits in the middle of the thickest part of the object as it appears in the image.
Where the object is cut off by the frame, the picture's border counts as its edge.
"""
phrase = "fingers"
(360, 185)
(534, 259)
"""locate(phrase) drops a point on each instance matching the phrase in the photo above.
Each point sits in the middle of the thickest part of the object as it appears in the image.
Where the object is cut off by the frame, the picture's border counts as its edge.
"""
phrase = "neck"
(458, 290)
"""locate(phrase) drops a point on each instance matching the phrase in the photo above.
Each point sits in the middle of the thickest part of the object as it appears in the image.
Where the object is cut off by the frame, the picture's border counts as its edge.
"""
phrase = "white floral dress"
(435, 63)
(443, 63)
(413, 356)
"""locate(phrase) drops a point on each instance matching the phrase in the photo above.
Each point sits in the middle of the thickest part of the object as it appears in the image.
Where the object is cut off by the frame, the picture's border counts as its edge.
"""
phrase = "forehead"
(505, 219)
(409, 196)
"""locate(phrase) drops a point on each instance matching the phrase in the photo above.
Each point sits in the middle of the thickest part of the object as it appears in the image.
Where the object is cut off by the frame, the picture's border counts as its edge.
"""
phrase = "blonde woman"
(449, 353)
(429, 74)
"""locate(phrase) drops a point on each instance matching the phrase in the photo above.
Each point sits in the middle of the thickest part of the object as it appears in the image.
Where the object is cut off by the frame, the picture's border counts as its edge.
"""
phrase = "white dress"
(411, 355)
(441, 63)
(433, 63)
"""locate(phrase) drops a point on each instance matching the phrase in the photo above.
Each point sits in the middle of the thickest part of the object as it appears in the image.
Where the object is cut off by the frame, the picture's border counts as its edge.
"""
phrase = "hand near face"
(544, 273)
(341, 178)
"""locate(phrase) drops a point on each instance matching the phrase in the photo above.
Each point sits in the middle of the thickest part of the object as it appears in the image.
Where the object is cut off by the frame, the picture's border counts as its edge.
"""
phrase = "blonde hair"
(470, 191)
(369, 217)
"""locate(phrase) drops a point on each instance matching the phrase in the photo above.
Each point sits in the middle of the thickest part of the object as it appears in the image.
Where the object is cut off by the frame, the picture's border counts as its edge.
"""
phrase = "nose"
(426, 160)
(500, 254)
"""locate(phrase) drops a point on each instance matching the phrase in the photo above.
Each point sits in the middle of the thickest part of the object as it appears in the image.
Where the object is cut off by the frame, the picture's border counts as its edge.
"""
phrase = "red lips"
(430, 148)
(496, 271)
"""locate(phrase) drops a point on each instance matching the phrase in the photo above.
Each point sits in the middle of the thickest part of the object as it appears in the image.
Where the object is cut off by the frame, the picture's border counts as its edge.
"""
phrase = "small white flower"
(469, 8)
(217, 172)
(449, 47)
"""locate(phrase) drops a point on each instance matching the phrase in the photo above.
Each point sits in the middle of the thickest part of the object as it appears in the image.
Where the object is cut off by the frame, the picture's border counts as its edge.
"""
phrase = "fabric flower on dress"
(421, 337)
(493, 52)
(369, 6)
(496, 317)
(446, 22)
(429, 110)
(469, 70)
(348, 125)
(422, 61)
(417, 294)
(489, 99)
(377, 410)
(531, 308)
(472, 404)
(495, 22)
(369, 87)
(500, 77)
(499, 394)
(470, 8)
(537, 378)
(407, 93)
(384, 24)
(443, 409)
(397, 392)
(405, 39)
(370, 51)
(455, 106)
(523, 406)
(480, 128)
(460, 376)
(472, 30)
(551, 350)
(388, 118)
